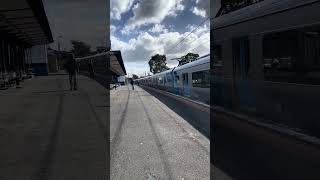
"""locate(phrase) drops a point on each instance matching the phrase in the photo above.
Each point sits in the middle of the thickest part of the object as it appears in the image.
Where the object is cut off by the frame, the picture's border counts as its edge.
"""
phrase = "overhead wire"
(184, 38)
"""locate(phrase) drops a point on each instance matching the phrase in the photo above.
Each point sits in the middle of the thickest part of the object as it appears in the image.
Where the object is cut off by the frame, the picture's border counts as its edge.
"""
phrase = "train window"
(177, 79)
(160, 80)
(292, 56)
(201, 79)
(169, 78)
(216, 66)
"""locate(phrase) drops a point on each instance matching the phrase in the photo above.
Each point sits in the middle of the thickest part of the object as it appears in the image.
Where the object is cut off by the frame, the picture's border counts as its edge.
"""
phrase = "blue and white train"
(191, 80)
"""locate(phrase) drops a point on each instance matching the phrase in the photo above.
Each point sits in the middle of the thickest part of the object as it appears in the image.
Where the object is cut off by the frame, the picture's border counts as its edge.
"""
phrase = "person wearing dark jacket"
(131, 82)
(71, 67)
(91, 70)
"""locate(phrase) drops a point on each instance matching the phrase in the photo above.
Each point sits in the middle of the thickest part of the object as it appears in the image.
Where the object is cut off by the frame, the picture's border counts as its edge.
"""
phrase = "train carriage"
(191, 80)
(266, 61)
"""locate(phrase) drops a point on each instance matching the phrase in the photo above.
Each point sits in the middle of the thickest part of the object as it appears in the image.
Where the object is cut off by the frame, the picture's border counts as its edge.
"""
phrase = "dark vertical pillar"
(23, 59)
(1, 58)
(8, 55)
(29, 58)
(26, 57)
(14, 55)
(4, 57)
(11, 59)
(19, 59)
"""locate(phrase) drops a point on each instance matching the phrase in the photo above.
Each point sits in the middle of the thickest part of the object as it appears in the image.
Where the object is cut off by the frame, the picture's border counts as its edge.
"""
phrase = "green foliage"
(80, 49)
(135, 76)
(188, 58)
(157, 63)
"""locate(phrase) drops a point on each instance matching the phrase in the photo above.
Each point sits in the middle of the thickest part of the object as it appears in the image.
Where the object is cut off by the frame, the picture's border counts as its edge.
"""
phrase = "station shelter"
(23, 25)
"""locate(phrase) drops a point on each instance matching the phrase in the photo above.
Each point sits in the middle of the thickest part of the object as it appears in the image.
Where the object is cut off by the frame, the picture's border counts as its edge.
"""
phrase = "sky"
(84, 20)
(143, 28)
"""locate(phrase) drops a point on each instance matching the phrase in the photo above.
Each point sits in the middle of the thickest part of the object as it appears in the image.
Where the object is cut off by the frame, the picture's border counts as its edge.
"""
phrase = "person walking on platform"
(91, 70)
(71, 67)
(114, 82)
(131, 82)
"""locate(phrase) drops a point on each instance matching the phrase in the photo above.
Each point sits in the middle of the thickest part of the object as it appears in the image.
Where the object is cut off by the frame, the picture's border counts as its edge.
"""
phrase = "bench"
(5, 81)
(11, 81)
(8, 81)
(3, 84)
(24, 76)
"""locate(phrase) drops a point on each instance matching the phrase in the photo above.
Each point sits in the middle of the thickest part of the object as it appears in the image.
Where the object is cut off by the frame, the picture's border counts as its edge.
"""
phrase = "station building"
(24, 28)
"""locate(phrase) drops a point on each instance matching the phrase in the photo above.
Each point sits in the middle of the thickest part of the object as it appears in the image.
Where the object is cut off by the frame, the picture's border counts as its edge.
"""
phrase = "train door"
(176, 82)
(185, 84)
(242, 83)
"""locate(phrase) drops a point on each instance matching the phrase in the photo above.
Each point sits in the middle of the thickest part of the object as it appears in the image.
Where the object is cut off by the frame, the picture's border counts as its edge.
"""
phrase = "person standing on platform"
(91, 70)
(71, 68)
(131, 82)
(114, 80)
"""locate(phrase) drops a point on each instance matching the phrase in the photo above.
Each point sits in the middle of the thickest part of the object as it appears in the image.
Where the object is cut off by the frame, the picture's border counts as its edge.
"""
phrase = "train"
(191, 80)
(266, 63)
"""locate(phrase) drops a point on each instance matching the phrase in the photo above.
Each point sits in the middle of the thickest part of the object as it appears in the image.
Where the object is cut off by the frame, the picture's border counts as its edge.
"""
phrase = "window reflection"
(292, 56)
(201, 79)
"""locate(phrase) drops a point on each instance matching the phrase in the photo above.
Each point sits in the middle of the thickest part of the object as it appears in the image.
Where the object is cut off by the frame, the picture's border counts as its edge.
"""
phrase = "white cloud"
(157, 28)
(112, 29)
(140, 49)
(119, 7)
(152, 12)
(198, 12)
(202, 8)
(198, 30)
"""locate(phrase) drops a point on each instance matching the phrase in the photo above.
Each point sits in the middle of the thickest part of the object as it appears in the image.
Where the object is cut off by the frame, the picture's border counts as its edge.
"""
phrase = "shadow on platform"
(45, 92)
(198, 119)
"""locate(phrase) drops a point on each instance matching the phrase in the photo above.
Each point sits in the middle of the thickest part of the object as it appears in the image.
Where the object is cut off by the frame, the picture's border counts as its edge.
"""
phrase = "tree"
(157, 63)
(188, 58)
(135, 76)
(80, 49)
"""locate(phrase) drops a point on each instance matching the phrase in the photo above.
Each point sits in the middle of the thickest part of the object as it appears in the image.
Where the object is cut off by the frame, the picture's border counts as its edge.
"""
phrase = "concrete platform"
(151, 141)
(49, 132)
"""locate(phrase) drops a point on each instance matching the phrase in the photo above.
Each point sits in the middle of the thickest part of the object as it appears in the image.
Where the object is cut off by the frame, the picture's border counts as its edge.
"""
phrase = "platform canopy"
(25, 21)
(116, 63)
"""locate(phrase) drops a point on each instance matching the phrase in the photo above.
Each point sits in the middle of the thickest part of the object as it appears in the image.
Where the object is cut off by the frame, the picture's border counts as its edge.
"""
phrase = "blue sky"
(142, 28)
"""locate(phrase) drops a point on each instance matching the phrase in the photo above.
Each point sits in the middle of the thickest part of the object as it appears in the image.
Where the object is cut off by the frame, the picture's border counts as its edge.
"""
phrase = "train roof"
(163, 72)
(201, 60)
(253, 11)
